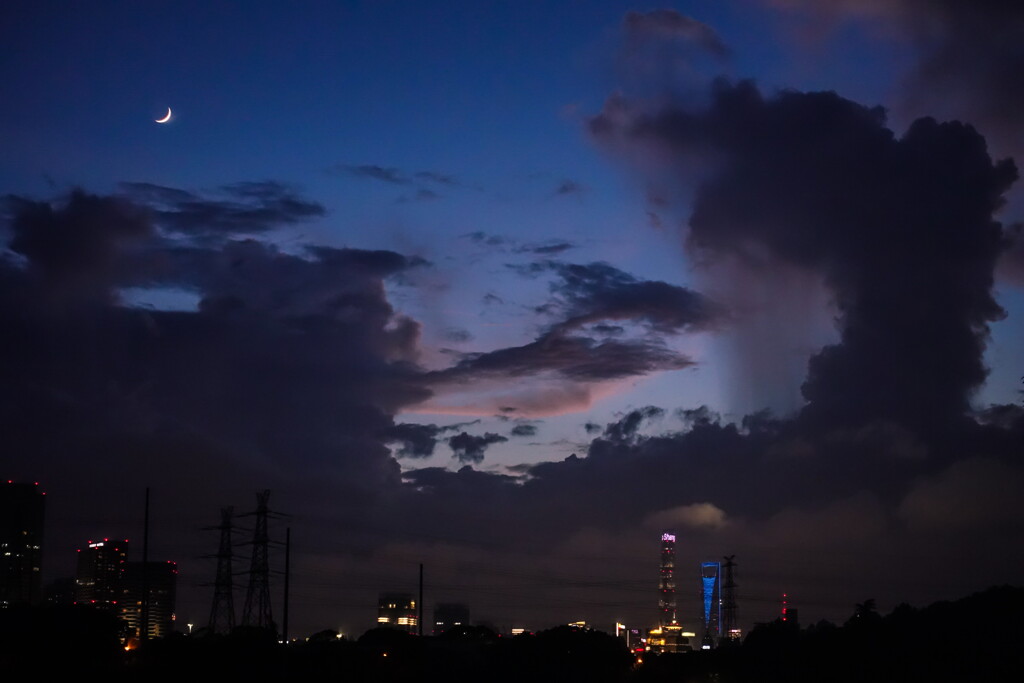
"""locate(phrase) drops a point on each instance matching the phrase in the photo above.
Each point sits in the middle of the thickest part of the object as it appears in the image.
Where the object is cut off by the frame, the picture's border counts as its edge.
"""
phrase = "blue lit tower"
(667, 583)
(711, 592)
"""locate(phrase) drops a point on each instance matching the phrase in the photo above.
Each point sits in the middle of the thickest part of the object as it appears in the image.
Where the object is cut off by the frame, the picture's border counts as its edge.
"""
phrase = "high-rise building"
(711, 603)
(667, 581)
(161, 581)
(21, 543)
(448, 615)
(397, 610)
(101, 569)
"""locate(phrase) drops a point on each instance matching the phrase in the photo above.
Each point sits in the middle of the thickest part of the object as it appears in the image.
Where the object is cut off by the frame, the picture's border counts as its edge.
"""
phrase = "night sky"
(511, 288)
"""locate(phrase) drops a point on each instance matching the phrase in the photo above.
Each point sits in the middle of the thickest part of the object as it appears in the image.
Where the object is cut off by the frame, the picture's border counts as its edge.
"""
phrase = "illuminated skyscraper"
(100, 579)
(21, 543)
(711, 592)
(667, 582)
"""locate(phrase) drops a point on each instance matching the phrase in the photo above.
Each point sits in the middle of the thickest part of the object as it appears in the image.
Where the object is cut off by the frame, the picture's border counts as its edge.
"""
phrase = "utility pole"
(287, 578)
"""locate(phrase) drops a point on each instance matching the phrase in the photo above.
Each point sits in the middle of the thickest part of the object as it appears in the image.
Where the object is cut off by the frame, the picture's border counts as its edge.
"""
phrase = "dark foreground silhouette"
(978, 638)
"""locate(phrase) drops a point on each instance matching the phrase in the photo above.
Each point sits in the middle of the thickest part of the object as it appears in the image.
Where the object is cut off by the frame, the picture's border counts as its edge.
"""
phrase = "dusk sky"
(509, 288)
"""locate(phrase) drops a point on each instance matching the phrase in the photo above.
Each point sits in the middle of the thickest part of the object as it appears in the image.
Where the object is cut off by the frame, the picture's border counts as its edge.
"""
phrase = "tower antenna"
(729, 628)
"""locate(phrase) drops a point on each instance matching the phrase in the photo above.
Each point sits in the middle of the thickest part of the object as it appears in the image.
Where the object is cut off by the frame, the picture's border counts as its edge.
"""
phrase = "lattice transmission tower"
(222, 611)
(258, 611)
(729, 628)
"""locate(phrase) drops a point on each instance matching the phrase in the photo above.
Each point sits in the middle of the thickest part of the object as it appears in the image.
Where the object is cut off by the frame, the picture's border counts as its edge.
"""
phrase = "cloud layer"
(901, 229)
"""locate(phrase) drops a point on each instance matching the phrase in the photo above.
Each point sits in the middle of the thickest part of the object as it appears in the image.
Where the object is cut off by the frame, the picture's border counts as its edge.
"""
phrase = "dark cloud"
(439, 178)
(419, 440)
(900, 229)
(609, 329)
(396, 176)
(597, 292)
(1011, 265)
(73, 249)
(506, 244)
(469, 448)
(422, 195)
(485, 239)
(372, 171)
(569, 187)
(586, 295)
(592, 427)
(288, 359)
(969, 57)
(692, 417)
(524, 429)
(239, 208)
(571, 357)
(286, 376)
(456, 334)
(551, 248)
(663, 51)
(626, 428)
(670, 24)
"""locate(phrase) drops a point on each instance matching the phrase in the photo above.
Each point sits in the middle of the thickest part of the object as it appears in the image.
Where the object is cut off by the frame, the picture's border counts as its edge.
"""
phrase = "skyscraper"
(161, 585)
(667, 582)
(101, 569)
(711, 592)
(21, 543)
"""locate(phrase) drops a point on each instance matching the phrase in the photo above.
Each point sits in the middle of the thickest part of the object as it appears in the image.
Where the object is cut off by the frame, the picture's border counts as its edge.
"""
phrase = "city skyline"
(107, 578)
(510, 289)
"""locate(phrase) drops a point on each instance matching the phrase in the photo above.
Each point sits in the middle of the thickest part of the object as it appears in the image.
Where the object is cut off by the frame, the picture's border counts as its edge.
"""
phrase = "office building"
(668, 639)
(397, 610)
(101, 570)
(21, 543)
(161, 582)
(448, 615)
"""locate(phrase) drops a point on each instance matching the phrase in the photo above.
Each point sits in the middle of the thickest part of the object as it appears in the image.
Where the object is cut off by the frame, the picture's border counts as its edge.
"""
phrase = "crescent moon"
(166, 118)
